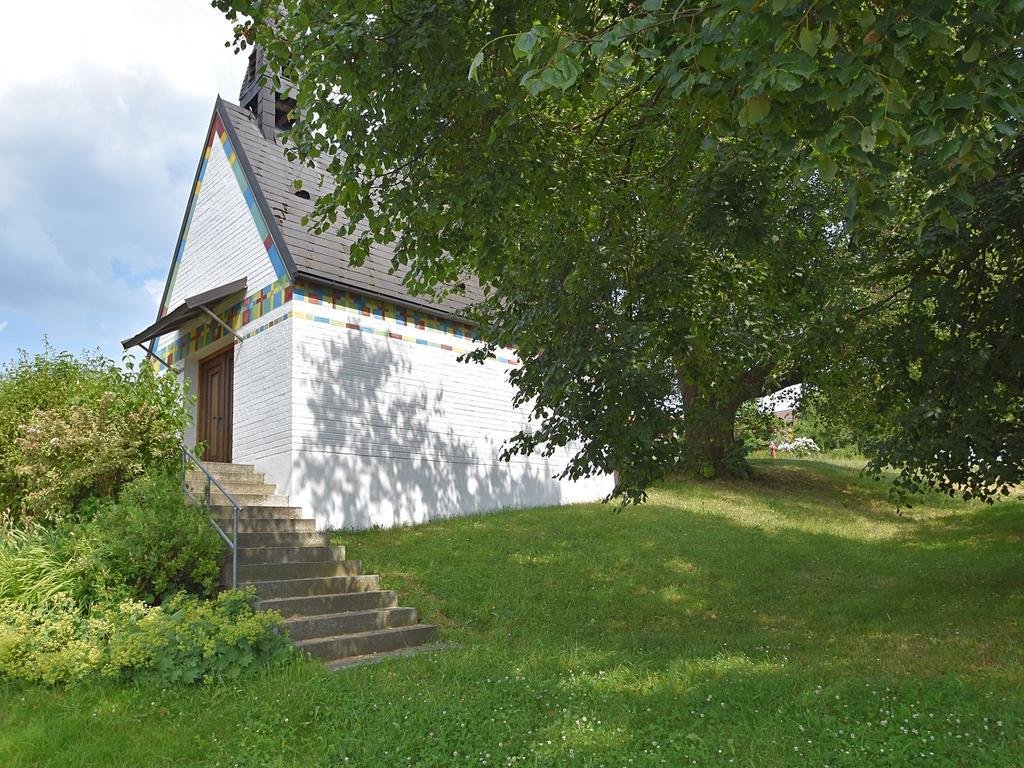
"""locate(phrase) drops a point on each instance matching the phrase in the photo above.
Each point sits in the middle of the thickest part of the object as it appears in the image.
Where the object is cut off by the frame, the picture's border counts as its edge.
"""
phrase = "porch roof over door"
(189, 309)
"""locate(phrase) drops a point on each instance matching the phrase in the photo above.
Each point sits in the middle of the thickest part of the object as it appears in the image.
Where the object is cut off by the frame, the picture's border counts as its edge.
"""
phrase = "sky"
(104, 117)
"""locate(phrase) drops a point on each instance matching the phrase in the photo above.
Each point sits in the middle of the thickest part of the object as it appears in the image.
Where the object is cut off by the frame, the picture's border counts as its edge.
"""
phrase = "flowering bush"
(74, 428)
(801, 446)
(186, 640)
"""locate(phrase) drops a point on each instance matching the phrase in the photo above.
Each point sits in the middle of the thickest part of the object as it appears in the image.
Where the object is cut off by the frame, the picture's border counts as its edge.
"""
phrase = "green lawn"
(798, 620)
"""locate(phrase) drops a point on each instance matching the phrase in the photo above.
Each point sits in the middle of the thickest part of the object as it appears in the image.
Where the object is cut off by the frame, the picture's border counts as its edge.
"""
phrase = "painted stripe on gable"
(217, 130)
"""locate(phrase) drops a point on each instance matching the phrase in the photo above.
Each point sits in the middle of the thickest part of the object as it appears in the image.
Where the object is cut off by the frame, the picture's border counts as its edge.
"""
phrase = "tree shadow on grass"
(667, 584)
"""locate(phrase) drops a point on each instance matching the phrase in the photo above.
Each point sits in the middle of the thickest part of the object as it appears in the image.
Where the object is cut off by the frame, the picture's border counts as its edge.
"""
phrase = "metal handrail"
(188, 458)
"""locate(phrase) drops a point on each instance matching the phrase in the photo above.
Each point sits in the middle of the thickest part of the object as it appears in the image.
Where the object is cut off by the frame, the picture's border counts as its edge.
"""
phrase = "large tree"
(584, 160)
(645, 318)
(931, 371)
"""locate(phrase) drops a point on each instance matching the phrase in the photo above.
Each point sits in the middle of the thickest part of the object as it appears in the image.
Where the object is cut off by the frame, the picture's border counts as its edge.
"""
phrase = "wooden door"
(216, 384)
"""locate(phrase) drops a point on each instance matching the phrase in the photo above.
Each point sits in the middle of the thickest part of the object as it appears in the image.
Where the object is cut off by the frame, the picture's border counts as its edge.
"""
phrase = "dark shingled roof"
(321, 258)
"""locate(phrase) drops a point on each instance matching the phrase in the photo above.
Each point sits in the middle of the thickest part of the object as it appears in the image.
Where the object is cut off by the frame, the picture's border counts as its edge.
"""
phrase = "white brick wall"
(223, 243)
(388, 433)
(262, 415)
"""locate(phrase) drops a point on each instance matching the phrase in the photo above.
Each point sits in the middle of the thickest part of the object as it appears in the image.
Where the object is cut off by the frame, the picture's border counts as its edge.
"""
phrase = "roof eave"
(417, 306)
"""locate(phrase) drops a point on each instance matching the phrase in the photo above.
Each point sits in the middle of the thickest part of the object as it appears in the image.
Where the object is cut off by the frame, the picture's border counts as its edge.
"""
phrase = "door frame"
(227, 358)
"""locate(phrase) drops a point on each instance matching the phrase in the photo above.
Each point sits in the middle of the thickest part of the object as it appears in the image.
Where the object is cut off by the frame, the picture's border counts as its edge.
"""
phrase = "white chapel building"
(335, 381)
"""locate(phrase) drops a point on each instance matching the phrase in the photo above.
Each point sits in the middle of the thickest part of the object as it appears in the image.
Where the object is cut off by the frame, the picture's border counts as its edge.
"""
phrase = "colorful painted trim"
(239, 315)
(218, 131)
(381, 319)
(337, 298)
(387, 333)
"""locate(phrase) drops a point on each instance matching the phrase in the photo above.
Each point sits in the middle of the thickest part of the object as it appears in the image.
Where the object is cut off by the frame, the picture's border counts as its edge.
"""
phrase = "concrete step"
(319, 605)
(256, 572)
(235, 488)
(364, 643)
(376, 658)
(247, 475)
(284, 539)
(251, 555)
(222, 467)
(349, 622)
(321, 585)
(261, 525)
(218, 499)
(225, 511)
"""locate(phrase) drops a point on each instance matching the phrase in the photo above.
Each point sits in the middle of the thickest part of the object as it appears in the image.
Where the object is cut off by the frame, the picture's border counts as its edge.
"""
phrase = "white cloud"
(155, 289)
(112, 104)
(182, 42)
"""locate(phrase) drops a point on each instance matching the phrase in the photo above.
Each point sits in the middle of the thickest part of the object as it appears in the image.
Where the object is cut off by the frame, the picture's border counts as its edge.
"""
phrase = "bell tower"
(269, 107)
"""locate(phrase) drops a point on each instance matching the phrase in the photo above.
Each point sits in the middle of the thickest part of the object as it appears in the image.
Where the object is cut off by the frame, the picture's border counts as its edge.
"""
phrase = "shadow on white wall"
(382, 452)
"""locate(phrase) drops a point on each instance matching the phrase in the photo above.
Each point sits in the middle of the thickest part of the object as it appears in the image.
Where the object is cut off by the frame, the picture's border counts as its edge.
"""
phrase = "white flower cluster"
(800, 445)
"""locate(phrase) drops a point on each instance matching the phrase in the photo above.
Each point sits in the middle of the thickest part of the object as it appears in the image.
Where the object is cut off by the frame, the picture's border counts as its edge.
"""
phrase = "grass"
(797, 620)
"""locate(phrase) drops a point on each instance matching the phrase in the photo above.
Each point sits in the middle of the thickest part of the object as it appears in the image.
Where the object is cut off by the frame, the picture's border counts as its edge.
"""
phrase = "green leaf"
(827, 167)
(927, 136)
(754, 110)
(946, 219)
(567, 70)
(973, 53)
(809, 40)
(964, 196)
(831, 37)
(620, 65)
(797, 62)
(477, 61)
(297, 184)
(525, 43)
(958, 101)
(951, 147)
(652, 5)
(786, 81)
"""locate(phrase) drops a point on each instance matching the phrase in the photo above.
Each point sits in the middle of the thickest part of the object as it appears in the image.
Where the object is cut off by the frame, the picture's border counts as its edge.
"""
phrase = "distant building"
(786, 414)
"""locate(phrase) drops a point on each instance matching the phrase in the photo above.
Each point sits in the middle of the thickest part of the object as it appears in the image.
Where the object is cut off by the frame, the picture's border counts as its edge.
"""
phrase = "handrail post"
(234, 549)
(188, 457)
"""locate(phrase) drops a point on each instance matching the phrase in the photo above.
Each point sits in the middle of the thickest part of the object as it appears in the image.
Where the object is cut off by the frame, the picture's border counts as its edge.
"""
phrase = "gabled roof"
(321, 258)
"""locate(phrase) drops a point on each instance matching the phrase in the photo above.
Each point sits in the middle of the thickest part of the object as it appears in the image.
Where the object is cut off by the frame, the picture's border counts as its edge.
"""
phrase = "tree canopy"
(675, 209)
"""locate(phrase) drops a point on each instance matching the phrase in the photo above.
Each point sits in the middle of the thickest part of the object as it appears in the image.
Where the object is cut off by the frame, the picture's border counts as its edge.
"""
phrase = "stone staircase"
(332, 610)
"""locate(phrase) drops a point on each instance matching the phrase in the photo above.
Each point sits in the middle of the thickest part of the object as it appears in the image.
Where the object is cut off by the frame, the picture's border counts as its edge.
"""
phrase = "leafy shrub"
(755, 428)
(39, 566)
(186, 640)
(73, 428)
(153, 542)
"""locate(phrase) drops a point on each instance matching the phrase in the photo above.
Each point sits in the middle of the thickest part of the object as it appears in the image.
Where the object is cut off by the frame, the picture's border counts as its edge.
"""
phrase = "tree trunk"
(709, 436)
(709, 415)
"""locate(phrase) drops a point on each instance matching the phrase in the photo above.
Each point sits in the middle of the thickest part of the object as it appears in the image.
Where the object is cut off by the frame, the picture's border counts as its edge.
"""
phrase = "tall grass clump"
(38, 566)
